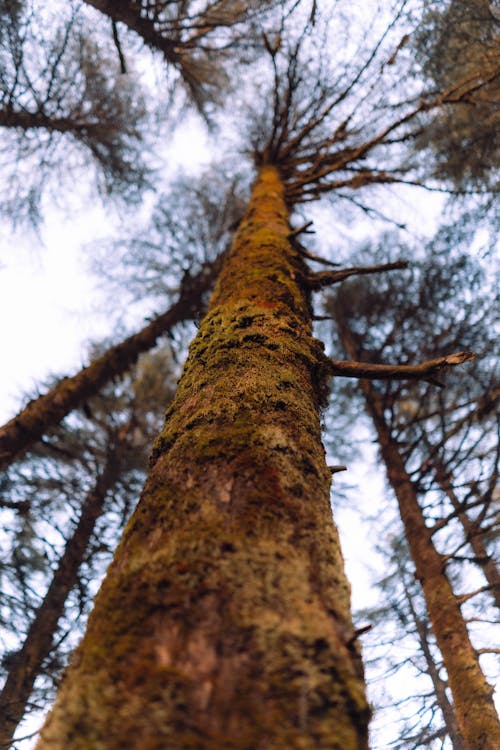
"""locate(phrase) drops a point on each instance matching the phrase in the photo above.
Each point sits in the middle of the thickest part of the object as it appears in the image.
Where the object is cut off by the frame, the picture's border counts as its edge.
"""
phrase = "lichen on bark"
(224, 619)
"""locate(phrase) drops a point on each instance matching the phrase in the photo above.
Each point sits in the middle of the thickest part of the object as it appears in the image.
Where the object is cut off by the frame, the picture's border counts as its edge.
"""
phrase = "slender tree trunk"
(224, 619)
(472, 695)
(473, 533)
(45, 412)
(39, 639)
(438, 684)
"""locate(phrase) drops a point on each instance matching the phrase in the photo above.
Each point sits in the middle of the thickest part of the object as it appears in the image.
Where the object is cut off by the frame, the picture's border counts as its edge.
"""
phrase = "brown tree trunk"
(473, 533)
(472, 695)
(438, 684)
(224, 619)
(39, 638)
(45, 412)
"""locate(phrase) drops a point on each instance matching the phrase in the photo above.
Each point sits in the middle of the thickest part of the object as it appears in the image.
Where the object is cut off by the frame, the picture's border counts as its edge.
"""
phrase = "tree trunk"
(39, 639)
(473, 533)
(23, 430)
(224, 619)
(472, 695)
(438, 684)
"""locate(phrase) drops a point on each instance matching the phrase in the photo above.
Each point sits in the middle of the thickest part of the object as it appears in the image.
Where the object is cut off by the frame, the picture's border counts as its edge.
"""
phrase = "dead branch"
(304, 229)
(117, 43)
(336, 469)
(488, 651)
(325, 278)
(424, 371)
(311, 256)
(465, 597)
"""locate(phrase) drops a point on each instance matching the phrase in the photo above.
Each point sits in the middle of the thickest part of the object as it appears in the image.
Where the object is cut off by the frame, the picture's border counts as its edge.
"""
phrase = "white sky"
(50, 306)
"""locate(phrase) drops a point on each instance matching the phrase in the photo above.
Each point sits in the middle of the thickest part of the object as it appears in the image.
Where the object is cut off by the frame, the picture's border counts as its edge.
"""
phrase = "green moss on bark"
(224, 619)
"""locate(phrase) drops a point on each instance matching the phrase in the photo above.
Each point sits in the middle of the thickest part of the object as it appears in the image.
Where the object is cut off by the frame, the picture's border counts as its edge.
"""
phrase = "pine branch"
(424, 371)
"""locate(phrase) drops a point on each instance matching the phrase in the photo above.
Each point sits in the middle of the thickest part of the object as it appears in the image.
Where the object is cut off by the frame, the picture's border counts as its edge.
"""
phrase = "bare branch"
(325, 278)
(337, 469)
(424, 371)
(311, 256)
(466, 597)
(116, 40)
(301, 230)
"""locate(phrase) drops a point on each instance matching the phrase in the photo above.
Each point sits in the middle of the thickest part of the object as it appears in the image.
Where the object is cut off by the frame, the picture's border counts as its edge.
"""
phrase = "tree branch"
(311, 256)
(116, 40)
(325, 278)
(424, 371)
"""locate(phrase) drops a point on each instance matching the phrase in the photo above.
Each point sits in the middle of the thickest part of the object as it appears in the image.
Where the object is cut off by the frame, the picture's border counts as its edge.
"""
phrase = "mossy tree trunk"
(224, 619)
(472, 695)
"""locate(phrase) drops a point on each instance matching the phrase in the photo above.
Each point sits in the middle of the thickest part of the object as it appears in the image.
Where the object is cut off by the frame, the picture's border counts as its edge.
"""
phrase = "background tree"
(78, 488)
(460, 40)
(186, 237)
(60, 89)
(421, 431)
(195, 38)
(401, 647)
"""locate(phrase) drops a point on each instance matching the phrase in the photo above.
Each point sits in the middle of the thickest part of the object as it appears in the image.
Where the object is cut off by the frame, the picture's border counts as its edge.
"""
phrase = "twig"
(301, 230)
(465, 597)
(311, 256)
(357, 633)
(116, 40)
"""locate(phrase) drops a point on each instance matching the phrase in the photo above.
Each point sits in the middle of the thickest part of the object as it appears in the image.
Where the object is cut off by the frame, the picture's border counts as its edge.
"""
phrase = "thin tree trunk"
(224, 619)
(472, 695)
(473, 534)
(45, 412)
(39, 638)
(438, 684)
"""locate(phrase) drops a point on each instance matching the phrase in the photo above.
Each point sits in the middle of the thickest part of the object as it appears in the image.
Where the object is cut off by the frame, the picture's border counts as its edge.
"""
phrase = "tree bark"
(472, 695)
(439, 685)
(473, 533)
(23, 430)
(224, 619)
(39, 639)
